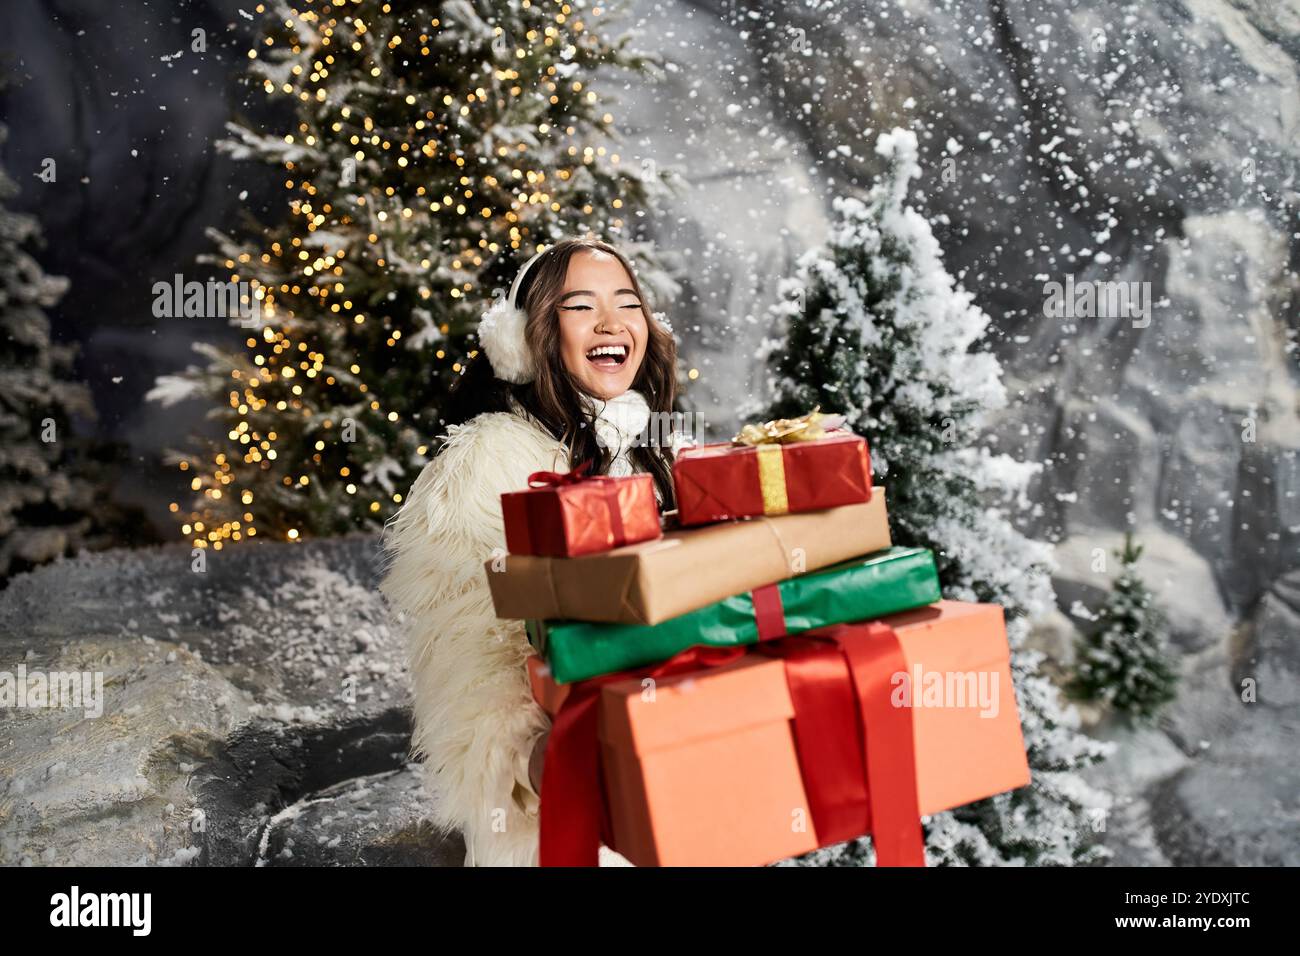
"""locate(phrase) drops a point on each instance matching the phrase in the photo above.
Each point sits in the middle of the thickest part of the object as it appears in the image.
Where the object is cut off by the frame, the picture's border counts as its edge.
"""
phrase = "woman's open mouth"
(608, 358)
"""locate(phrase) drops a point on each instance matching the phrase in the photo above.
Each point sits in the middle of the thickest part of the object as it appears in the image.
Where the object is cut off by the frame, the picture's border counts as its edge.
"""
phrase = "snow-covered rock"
(374, 820)
(1268, 654)
(1237, 802)
(265, 682)
(1216, 781)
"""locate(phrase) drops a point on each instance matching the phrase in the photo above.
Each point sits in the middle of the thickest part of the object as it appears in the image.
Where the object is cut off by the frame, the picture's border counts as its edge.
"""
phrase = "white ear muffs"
(501, 333)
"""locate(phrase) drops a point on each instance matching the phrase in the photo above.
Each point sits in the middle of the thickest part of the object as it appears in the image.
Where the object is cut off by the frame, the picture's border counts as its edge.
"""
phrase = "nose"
(609, 321)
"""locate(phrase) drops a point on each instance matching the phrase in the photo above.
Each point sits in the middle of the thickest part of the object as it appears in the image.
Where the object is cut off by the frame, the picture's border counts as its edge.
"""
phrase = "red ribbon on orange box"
(855, 748)
(574, 812)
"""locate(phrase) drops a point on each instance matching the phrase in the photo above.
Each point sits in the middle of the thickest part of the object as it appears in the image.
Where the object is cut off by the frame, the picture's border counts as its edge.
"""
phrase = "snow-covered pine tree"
(876, 329)
(434, 146)
(46, 499)
(1124, 658)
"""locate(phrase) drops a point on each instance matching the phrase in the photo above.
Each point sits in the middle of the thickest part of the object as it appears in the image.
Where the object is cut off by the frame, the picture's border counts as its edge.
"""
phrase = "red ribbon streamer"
(862, 781)
(548, 479)
(855, 749)
(575, 816)
(769, 613)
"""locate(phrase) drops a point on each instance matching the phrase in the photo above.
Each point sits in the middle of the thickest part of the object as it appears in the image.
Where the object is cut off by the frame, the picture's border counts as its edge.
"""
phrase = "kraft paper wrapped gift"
(719, 481)
(704, 768)
(686, 569)
(862, 588)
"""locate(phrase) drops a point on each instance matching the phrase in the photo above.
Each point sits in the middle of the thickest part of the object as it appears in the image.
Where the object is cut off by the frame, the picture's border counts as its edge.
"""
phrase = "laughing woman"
(573, 364)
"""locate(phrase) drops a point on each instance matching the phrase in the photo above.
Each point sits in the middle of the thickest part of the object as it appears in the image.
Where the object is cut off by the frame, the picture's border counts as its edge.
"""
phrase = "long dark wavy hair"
(554, 398)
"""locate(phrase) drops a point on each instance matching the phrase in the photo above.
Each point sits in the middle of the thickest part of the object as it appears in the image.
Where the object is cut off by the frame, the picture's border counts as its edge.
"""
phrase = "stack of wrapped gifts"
(772, 675)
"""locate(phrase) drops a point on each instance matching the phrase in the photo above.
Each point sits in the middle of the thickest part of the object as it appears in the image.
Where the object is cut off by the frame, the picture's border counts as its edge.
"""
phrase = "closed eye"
(587, 308)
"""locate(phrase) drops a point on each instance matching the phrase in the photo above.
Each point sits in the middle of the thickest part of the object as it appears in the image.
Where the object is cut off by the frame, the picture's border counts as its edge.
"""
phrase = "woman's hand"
(536, 760)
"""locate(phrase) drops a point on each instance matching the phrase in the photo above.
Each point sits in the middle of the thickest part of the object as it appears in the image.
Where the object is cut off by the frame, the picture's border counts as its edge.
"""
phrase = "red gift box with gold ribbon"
(566, 514)
(717, 482)
(734, 756)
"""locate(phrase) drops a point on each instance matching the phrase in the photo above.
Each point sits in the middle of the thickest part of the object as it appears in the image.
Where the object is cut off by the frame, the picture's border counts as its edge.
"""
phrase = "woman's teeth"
(608, 356)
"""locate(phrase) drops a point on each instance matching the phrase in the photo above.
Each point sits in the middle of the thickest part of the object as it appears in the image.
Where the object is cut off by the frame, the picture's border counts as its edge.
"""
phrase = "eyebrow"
(569, 295)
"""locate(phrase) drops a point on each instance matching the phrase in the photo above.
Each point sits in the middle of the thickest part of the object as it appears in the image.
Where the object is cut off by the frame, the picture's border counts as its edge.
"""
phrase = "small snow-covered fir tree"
(877, 330)
(1124, 659)
(432, 147)
(46, 499)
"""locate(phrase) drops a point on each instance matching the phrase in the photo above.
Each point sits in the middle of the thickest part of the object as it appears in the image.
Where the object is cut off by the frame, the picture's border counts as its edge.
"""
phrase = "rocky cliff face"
(1139, 143)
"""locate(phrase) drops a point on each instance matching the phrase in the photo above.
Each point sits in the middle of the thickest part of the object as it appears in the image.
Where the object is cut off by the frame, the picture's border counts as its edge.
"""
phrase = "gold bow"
(782, 431)
(767, 439)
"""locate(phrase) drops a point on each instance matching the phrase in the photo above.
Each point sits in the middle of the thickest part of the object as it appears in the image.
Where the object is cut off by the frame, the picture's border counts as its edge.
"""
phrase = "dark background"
(138, 182)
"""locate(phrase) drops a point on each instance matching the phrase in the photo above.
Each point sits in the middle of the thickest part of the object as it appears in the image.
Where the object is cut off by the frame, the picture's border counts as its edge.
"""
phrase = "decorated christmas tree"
(433, 147)
(47, 495)
(1124, 659)
(876, 329)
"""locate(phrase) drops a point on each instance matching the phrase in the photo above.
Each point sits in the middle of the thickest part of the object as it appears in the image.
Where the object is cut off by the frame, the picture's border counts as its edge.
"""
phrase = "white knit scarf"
(620, 422)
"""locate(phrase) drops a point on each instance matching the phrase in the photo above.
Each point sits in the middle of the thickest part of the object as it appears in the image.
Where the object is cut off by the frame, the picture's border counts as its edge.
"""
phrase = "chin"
(605, 389)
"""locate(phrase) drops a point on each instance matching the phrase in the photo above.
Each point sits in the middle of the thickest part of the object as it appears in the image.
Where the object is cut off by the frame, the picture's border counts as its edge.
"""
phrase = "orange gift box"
(702, 768)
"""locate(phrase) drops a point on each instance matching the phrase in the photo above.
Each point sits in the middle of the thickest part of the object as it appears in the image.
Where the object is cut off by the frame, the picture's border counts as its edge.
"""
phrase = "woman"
(573, 365)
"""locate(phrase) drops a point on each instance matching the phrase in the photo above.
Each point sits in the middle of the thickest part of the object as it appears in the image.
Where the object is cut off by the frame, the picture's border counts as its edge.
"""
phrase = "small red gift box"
(563, 515)
(723, 480)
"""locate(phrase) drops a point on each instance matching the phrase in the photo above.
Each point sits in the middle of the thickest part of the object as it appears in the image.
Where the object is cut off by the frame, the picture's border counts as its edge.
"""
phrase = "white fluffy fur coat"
(475, 721)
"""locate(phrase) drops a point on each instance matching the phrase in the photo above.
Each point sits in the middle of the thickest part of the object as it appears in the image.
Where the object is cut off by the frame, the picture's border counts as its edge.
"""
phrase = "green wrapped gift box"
(860, 589)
